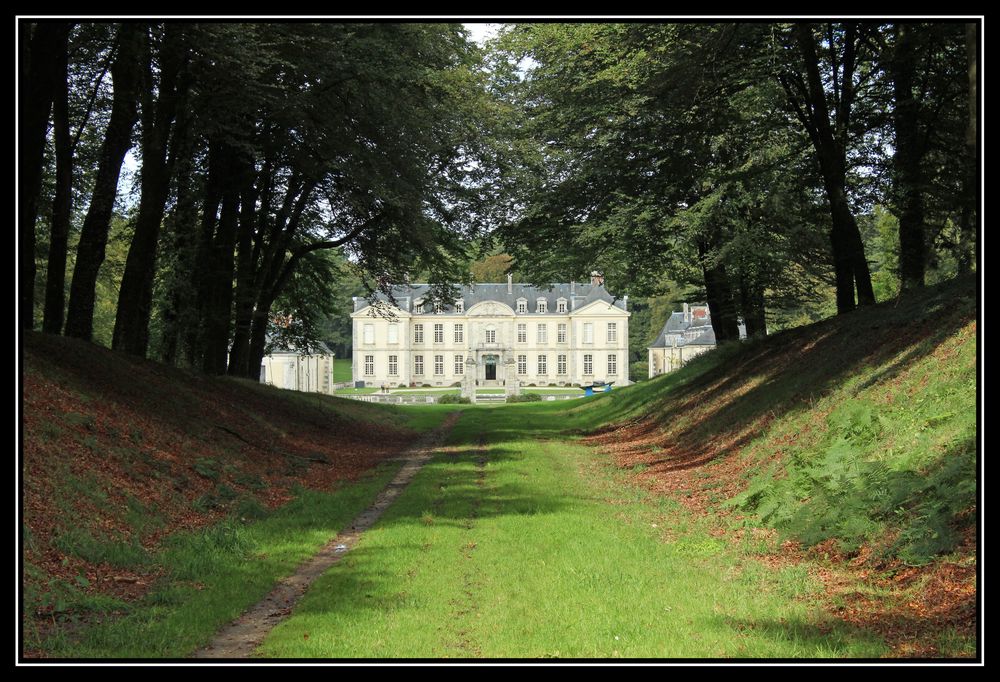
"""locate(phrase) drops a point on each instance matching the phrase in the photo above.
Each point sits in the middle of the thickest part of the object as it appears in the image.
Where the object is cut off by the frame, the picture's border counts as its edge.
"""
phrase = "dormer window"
(542, 306)
(561, 305)
(459, 306)
(418, 306)
(522, 305)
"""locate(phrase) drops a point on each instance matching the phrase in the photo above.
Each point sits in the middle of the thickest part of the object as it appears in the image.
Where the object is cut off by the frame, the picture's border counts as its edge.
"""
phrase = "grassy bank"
(122, 456)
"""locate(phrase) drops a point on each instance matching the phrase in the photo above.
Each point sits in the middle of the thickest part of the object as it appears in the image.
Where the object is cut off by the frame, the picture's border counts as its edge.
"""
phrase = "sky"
(480, 33)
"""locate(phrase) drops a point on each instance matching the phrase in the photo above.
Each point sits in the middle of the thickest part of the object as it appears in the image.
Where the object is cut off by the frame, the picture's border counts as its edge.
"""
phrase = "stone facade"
(685, 335)
(508, 335)
(299, 371)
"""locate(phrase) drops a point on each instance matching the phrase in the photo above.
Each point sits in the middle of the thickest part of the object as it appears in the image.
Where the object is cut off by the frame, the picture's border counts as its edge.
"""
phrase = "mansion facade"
(507, 335)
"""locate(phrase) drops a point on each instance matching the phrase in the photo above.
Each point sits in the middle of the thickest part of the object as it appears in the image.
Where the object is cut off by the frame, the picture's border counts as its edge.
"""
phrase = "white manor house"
(507, 335)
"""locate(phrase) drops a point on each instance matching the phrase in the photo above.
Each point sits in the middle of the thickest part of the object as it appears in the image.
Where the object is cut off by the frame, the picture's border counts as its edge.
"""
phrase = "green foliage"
(885, 265)
(97, 550)
(848, 493)
(453, 399)
(639, 370)
(525, 398)
(248, 508)
(207, 467)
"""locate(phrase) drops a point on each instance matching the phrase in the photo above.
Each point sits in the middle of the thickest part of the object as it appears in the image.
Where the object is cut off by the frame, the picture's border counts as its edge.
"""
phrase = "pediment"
(490, 309)
(601, 308)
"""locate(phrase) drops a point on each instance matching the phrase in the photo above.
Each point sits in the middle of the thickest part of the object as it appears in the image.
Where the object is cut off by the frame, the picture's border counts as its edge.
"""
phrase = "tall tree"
(135, 298)
(41, 47)
(909, 155)
(826, 113)
(126, 76)
(62, 202)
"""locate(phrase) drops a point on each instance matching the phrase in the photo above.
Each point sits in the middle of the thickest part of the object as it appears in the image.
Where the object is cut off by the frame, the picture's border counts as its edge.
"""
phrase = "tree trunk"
(970, 211)
(275, 273)
(239, 356)
(219, 282)
(135, 298)
(720, 296)
(125, 74)
(39, 58)
(907, 161)
(62, 203)
(194, 338)
(849, 262)
(752, 307)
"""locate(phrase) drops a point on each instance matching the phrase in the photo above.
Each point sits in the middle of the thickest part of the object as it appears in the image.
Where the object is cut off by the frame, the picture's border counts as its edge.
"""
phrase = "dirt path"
(240, 638)
(466, 604)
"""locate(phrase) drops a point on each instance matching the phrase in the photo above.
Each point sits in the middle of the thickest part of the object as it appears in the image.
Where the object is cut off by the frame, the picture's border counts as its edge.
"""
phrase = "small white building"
(299, 371)
(685, 335)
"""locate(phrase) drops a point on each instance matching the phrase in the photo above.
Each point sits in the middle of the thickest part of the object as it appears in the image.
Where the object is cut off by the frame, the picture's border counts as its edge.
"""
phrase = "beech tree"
(125, 74)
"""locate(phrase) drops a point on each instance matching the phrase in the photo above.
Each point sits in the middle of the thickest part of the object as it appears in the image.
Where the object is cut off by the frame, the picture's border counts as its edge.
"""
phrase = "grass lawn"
(342, 370)
(530, 547)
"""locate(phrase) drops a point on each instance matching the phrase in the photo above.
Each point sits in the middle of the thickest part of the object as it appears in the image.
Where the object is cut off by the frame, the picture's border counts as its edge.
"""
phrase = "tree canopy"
(761, 165)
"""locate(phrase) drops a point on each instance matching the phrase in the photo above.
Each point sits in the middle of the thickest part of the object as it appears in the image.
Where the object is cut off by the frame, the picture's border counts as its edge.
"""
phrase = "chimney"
(510, 283)
(572, 288)
(687, 314)
(625, 303)
(596, 279)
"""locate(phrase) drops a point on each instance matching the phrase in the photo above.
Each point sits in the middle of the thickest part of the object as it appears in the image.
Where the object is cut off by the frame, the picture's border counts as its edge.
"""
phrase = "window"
(561, 333)
(393, 335)
(459, 306)
(612, 332)
(459, 333)
(561, 365)
(522, 305)
(459, 365)
(543, 333)
(522, 364)
(369, 334)
(418, 364)
(522, 333)
(612, 364)
(439, 333)
(561, 305)
(542, 365)
(369, 365)
(588, 365)
(418, 333)
(542, 306)
(438, 365)
(588, 332)
(393, 365)
(491, 336)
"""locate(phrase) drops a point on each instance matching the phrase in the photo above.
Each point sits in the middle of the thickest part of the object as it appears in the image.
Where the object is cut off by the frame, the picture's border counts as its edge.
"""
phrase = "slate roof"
(577, 296)
(697, 332)
(704, 335)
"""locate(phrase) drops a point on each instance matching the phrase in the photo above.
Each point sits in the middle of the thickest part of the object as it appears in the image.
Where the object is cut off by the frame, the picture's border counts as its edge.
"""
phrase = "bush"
(524, 398)
(452, 399)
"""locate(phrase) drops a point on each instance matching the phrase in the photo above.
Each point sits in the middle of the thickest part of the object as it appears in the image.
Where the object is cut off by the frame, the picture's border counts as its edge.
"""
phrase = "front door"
(491, 367)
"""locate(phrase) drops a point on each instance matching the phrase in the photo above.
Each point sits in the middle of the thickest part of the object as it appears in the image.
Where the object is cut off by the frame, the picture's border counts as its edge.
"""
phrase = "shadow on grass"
(700, 413)
(831, 638)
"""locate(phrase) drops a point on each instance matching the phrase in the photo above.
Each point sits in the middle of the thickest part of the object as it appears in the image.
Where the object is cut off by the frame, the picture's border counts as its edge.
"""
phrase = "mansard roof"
(693, 330)
(577, 296)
